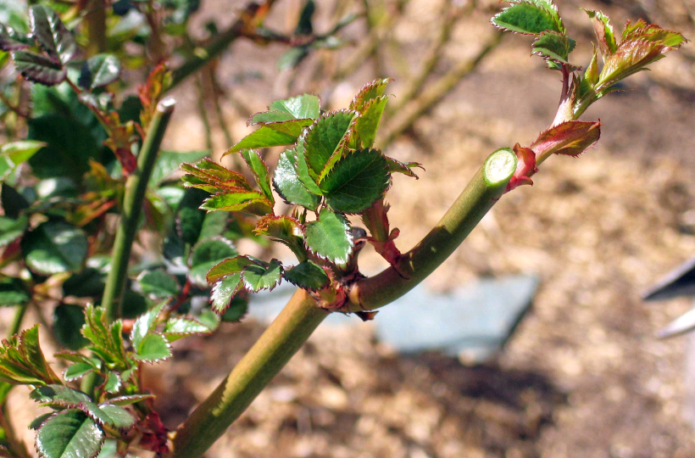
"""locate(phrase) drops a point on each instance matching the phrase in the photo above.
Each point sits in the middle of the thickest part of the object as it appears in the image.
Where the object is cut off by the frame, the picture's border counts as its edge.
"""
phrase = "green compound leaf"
(106, 340)
(307, 275)
(206, 255)
(153, 348)
(260, 172)
(168, 162)
(258, 277)
(38, 68)
(212, 177)
(369, 92)
(288, 184)
(305, 106)
(604, 32)
(356, 181)
(158, 284)
(329, 237)
(12, 229)
(325, 141)
(223, 292)
(13, 292)
(68, 319)
(69, 434)
(52, 34)
(241, 200)
(229, 267)
(22, 362)
(368, 123)
(55, 247)
(272, 134)
(182, 326)
(100, 70)
(553, 46)
(529, 18)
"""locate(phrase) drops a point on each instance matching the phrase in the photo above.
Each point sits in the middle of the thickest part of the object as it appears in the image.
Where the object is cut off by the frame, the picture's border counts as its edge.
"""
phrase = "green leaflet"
(329, 237)
(158, 284)
(145, 324)
(228, 267)
(258, 277)
(77, 371)
(367, 124)
(55, 247)
(68, 319)
(272, 134)
(22, 362)
(13, 292)
(325, 140)
(305, 106)
(206, 255)
(52, 34)
(189, 217)
(59, 396)
(288, 184)
(356, 181)
(307, 275)
(369, 92)
(396, 166)
(13, 154)
(604, 32)
(243, 201)
(113, 383)
(553, 46)
(528, 18)
(223, 292)
(100, 70)
(302, 168)
(106, 340)
(260, 172)
(153, 348)
(69, 434)
(12, 229)
(237, 309)
(181, 326)
(38, 68)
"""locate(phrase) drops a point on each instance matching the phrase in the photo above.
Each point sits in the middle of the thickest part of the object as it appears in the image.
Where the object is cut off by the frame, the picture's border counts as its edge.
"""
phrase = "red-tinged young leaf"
(356, 181)
(283, 229)
(272, 134)
(69, 434)
(151, 92)
(553, 46)
(22, 362)
(212, 177)
(251, 202)
(259, 277)
(206, 255)
(38, 68)
(260, 172)
(289, 186)
(224, 291)
(324, 141)
(528, 18)
(11, 40)
(396, 166)
(367, 124)
(368, 92)
(129, 400)
(329, 237)
(229, 267)
(604, 32)
(525, 168)
(570, 138)
(52, 34)
(307, 275)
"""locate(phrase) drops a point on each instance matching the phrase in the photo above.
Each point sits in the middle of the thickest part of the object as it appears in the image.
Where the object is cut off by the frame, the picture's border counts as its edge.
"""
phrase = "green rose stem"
(301, 316)
(135, 188)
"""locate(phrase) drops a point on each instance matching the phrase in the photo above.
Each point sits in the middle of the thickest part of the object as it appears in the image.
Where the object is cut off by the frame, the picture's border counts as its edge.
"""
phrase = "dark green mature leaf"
(134, 304)
(357, 181)
(88, 283)
(13, 292)
(38, 68)
(288, 184)
(52, 34)
(153, 348)
(206, 255)
(59, 396)
(237, 309)
(224, 291)
(71, 145)
(22, 362)
(272, 134)
(529, 18)
(369, 92)
(38, 421)
(13, 203)
(307, 275)
(325, 141)
(260, 172)
(329, 237)
(189, 217)
(68, 319)
(158, 284)
(214, 225)
(100, 70)
(106, 339)
(12, 229)
(11, 40)
(229, 267)
(168, 162)
(553, 46)
(604, 32)
(258, 277)
(251, 202)
(368, 122)
(69, 434)
(55, 247)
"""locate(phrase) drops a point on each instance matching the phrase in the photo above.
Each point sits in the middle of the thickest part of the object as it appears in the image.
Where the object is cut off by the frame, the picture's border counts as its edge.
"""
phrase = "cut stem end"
(500, 167)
